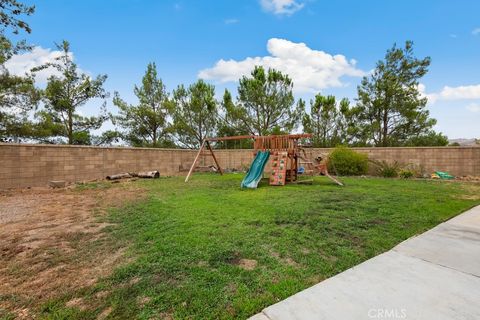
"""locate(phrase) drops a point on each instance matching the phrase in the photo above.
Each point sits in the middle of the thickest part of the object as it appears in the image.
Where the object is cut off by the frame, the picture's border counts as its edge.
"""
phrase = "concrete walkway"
(435, 275)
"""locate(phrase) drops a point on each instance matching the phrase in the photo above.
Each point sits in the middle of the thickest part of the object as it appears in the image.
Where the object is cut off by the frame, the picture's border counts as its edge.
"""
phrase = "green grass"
(186, 241)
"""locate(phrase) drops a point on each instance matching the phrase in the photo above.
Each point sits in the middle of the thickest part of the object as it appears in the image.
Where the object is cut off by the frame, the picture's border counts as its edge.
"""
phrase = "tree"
(62, 98)
(18, 95)
(349, 133)
(11, 12)
(146, 124)
(331, 123)
(265, 103)
(322, 122)
(430, 139)
(229, 126)
(195, 115)
(392, 108)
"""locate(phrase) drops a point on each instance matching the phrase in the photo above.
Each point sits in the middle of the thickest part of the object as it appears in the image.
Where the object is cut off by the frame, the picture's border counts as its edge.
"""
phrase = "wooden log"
(57, 184)
(149, 174)
(119, 176)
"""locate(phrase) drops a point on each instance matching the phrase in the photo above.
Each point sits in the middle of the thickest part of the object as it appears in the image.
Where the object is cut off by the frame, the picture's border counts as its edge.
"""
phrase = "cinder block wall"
(35, 165)
(459, 161)
(24, 165)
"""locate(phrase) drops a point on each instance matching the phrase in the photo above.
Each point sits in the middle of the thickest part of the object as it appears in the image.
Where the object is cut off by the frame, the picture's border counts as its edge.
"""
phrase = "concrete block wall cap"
(194, 150)
(32, 145)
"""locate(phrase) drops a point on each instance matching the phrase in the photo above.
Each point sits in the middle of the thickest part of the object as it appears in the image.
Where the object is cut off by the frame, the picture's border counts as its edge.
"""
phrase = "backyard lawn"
(208, 249)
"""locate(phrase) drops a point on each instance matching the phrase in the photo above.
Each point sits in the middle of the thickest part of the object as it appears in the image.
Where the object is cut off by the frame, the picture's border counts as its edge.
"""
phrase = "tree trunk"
(149, 174)
(70, 127)
(119, 176)
(385, 128)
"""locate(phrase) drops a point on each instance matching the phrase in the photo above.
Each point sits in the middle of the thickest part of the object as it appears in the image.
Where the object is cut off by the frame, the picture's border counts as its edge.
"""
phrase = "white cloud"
(469, 92)
(21, 64)
(231, 21)
(474, 107)
(281, 7)
(422, 90)
(476, 31)
(311, 70)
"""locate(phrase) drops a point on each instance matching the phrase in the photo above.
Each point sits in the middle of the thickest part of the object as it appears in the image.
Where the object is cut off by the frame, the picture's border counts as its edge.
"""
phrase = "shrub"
(407, 173)
(386, 169)
(346, 162)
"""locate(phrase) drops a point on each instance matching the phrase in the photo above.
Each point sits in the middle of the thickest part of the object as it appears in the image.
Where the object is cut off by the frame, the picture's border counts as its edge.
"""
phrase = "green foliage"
(146, 124)
(195, 115)
(18, 96)
(11, 13)
(392, 107)
(231, 126)
(322, 121)
(347, 162)
(387, 169)
(331, 123)
(407, 173)
(107, 138)
(431, 139)
(265, 103)
(62, 98)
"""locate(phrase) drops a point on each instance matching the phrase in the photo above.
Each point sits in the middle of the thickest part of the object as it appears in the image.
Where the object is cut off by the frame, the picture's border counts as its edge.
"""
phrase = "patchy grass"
(53, 244)
(208, 249)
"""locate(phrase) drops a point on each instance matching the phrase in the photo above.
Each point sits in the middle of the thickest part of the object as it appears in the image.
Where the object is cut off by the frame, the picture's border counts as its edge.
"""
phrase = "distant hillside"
(466, 142)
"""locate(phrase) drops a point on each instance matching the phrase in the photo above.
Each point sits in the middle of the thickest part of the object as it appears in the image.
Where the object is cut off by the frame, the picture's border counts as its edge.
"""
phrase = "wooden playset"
(285, 152)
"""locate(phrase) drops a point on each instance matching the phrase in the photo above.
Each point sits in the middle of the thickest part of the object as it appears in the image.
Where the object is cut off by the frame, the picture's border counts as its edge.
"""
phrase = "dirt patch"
(290, 262)
(469, 197)
(306, 251)
(165, 316)
(471, 191)
(76, 303)
(247, 264)
(105, 313)
(287, 260)
(231, 288)
(142, 301)
(52, 242)
(134, 281)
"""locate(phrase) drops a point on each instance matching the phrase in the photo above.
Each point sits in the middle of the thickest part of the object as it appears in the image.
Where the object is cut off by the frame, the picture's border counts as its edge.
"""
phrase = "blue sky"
(187, 39)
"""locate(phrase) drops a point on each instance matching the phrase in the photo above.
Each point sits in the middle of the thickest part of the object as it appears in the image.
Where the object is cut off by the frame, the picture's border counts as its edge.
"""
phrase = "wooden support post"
(214, 158)
(296, 167)
(195, 161)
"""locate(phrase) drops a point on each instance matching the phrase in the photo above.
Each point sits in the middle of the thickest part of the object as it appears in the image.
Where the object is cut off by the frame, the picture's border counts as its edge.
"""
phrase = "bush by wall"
(347, 162)
(387, 169)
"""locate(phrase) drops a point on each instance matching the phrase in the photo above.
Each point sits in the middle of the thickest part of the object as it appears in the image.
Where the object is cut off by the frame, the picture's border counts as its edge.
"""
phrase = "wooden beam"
(195, 161)
(214, 158)
(230, 138)
(286, 136)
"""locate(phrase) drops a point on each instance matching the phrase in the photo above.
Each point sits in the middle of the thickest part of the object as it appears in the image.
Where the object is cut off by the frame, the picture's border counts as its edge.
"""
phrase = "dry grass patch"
(52, 243)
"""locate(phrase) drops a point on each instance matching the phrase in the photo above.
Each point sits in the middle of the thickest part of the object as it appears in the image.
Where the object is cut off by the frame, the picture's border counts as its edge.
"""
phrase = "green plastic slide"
(255, 173)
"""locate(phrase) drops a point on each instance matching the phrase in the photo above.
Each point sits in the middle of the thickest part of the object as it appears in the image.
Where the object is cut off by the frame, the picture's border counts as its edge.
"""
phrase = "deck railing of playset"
(278, 142)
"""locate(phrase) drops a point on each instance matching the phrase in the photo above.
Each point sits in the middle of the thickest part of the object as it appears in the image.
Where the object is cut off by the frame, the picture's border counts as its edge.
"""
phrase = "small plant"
(407, 173)
(347, 162)
(387, 169)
